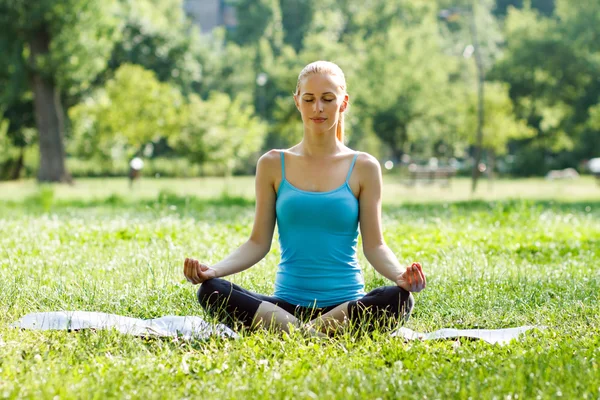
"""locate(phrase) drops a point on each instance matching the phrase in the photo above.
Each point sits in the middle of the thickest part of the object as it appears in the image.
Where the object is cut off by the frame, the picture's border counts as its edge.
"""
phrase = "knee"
(400, 302)
(210, 290)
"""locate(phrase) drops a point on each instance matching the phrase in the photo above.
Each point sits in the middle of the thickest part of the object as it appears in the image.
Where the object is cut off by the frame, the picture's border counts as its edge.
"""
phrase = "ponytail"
(339, 130)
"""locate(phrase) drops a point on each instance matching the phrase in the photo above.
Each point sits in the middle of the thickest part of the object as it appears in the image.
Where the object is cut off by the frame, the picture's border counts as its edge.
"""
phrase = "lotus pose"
(319, 192)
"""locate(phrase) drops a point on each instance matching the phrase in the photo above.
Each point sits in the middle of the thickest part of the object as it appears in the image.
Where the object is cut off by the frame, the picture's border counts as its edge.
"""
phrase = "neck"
(319, 144)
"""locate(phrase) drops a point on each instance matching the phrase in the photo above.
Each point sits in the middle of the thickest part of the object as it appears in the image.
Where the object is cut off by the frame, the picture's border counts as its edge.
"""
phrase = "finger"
(186, 268)
(422, 275)
(198, 271)
(418, 279)
(408, 278)
(194, 271)
(203, 267)
(419, 275)
(414, 277)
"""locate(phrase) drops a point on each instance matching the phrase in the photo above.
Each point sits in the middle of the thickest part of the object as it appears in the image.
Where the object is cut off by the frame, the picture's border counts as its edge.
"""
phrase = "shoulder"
(270, 157)
(269, 161)
(269, 164)
(367, 166)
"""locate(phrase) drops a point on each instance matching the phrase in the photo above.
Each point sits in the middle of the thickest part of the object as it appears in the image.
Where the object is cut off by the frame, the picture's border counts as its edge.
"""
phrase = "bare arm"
(376, 250)
(259, 243)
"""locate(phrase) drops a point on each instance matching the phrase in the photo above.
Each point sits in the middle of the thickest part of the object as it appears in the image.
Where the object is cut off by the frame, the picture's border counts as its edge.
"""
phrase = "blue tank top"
(318, 234)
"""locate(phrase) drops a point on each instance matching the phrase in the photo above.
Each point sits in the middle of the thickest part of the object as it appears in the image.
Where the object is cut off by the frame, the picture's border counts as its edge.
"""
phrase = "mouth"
(319, 120)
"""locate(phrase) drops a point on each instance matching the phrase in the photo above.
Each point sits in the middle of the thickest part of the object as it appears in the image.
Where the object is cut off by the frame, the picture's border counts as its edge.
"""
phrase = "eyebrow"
(311, 94)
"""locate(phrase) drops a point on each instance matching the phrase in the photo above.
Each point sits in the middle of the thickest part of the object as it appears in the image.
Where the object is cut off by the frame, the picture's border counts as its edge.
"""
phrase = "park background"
(199, 89)
(88, 85)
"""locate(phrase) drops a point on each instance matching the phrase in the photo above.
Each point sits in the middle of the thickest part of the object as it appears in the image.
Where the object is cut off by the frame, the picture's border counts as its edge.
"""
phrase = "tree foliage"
(156, 35)
(552, 69)
(56, 48)
(133, 109)
(133, 72)
(221, 131)
(501, 125)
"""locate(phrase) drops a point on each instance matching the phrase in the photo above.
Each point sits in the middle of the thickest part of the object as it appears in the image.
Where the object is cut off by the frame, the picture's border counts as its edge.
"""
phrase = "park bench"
(429, 175)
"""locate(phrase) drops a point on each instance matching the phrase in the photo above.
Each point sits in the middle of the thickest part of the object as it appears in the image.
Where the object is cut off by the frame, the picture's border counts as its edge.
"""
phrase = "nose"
(318, 106)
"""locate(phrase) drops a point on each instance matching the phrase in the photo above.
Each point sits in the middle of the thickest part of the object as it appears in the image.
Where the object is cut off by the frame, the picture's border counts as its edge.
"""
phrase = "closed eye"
(311, 100)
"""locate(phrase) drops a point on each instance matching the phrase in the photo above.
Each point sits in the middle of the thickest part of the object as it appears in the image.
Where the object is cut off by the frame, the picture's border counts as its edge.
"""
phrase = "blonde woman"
(318, 192)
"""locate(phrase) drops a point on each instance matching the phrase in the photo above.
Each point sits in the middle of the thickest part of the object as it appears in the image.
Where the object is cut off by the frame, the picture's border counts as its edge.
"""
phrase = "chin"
(321, 130)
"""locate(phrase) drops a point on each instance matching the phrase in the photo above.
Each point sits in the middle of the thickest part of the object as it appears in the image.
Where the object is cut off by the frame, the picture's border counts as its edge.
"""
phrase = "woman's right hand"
(196, 273)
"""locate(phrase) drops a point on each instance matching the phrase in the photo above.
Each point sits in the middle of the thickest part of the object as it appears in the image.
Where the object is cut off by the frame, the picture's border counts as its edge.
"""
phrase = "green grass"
(396, 192)
(528, 253)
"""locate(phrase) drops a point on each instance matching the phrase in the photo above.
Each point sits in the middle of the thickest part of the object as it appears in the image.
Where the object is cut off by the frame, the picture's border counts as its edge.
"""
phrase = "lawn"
(525, 253)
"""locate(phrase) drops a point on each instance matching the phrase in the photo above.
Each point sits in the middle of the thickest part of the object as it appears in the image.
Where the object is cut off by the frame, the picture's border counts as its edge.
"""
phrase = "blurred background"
(201, 88)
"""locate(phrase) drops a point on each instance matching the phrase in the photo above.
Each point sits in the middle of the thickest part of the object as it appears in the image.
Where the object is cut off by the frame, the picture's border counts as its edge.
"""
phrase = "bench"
(429, 175)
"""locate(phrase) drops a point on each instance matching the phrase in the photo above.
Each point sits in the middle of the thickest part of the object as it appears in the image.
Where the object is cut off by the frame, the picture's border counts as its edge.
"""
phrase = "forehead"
(320, 83)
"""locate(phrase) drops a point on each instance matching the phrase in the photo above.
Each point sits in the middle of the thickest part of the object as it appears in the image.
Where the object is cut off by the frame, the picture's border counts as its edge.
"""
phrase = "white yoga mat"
(493, 336)
(168, 326)
(191, 327)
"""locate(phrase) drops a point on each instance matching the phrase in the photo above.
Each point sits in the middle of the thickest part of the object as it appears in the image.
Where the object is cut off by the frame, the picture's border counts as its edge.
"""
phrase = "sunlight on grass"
(396, 191)
(490, 264)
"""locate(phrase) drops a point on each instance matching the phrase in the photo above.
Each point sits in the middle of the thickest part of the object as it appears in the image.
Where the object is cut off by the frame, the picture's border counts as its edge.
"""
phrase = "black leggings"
(232, 304)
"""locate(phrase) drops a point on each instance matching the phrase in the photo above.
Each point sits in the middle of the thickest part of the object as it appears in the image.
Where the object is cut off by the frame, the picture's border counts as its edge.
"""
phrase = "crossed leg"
(232, 304)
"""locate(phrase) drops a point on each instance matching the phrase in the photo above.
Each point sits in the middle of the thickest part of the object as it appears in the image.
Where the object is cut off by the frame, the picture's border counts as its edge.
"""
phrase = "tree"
(8, 151)
(18, 135)
(482, 38)
(62, 46)
(551, 67)
(261, 18)
(296, 18)
(220, 131)
(405, 80)
(16, 103)
(156, 35)
(545, 7)
(595, 117)
(133, 109)
(501, 126)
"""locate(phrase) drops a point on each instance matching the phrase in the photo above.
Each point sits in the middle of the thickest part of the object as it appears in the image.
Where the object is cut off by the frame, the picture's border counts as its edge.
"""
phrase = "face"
(320, 100)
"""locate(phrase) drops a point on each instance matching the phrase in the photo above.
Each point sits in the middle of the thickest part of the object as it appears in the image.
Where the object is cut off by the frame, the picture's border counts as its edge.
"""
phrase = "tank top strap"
(351, 167)
(282, 165)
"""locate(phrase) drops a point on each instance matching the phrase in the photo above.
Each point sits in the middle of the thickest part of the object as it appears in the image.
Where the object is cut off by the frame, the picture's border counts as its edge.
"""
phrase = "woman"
(318, 192)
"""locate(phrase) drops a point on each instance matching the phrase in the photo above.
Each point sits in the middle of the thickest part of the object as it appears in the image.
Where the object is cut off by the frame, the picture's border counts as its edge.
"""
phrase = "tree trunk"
(15, 174)
(480, 102)
(48, 113)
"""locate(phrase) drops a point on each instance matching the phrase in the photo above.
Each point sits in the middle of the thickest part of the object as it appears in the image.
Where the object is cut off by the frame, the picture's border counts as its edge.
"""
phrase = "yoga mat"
(190, 327)
(492, 336)
(168, 326)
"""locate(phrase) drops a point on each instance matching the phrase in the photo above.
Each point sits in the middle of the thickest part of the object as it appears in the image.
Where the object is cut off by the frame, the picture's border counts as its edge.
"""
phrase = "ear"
(297, 101)
(344, 103)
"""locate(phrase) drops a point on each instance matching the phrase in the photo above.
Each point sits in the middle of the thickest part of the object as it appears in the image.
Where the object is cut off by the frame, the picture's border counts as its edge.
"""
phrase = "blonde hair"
(326, 67)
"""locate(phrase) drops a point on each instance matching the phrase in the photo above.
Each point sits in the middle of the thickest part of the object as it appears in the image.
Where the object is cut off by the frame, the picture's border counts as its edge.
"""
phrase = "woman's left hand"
(413, 279)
